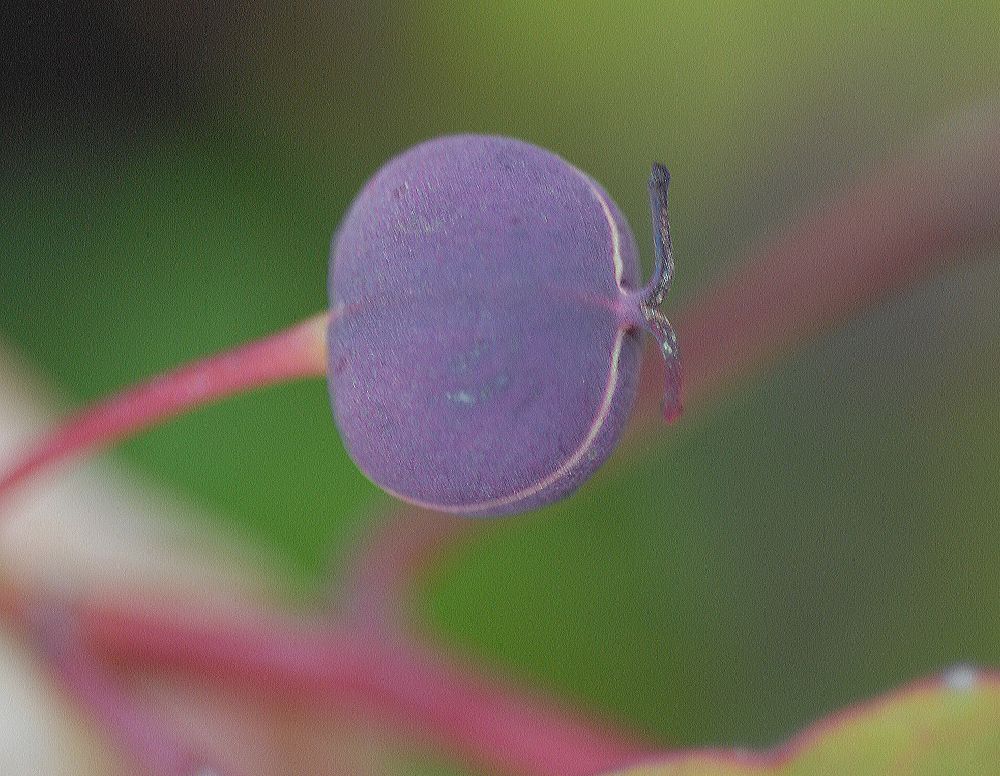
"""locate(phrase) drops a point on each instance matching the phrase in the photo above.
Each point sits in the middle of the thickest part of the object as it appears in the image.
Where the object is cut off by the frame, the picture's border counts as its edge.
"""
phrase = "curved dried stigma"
(656, 291)
(663, 269)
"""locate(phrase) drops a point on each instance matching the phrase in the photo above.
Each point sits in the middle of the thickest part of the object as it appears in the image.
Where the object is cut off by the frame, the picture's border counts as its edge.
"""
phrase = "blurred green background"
(172, 177)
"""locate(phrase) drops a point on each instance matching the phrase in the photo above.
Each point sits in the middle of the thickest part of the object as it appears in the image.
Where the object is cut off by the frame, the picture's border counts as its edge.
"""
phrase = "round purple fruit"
(485, 330)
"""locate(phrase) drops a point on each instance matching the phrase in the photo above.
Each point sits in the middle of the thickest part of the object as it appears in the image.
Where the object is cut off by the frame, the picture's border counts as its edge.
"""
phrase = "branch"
(134, 727)
(292, 354)
(486, 723)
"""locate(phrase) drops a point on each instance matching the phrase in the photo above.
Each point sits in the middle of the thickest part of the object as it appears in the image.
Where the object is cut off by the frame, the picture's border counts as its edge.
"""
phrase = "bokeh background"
(172, 173)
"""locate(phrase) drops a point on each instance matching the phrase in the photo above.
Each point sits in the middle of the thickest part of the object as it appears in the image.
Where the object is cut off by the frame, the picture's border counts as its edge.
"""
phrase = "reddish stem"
(297, 352)
(487, 723)
(398, 549)
(134, 727)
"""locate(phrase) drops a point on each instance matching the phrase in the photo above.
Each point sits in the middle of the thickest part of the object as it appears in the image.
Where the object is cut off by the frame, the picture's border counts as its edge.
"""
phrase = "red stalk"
(136, 729)
(295, 353)
(440, 702)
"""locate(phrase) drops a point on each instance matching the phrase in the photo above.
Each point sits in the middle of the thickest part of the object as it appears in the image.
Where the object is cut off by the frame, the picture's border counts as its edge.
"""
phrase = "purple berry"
(484, 343)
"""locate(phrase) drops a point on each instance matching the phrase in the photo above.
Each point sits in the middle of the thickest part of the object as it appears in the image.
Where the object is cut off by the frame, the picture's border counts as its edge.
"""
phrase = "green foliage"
(948, 728)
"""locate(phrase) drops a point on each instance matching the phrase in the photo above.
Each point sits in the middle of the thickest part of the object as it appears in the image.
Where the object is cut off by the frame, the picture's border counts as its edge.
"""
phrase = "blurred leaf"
(947, 726)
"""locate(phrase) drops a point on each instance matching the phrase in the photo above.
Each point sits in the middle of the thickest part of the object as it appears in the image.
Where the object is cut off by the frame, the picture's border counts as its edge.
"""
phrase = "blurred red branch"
(417, 691)
(292, 354)
(57, 636)
(908, 219)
